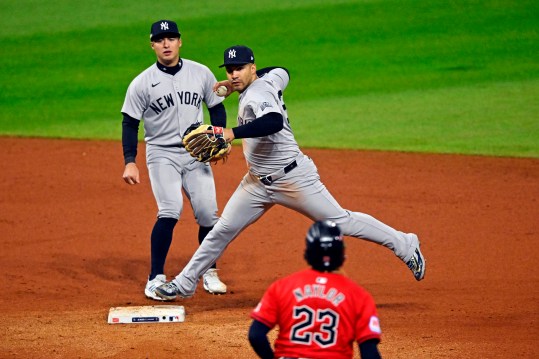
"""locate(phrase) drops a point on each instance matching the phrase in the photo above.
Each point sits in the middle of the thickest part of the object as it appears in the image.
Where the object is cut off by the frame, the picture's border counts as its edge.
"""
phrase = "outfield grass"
(426, 76)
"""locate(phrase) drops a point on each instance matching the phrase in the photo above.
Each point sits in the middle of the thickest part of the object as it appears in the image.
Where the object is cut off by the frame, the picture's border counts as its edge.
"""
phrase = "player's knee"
(207, 220)
(169, 213)
(206, 217)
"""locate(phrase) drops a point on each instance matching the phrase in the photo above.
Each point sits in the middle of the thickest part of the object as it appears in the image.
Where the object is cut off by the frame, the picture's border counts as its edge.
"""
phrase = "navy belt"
(268, 180)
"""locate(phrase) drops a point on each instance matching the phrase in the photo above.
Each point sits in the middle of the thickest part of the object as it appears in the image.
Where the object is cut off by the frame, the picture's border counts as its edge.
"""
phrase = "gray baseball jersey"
(271, 153)
(290, 179)
(169, 104)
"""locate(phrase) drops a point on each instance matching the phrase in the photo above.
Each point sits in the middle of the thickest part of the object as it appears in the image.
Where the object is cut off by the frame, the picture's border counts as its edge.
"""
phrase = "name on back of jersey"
(332, 295)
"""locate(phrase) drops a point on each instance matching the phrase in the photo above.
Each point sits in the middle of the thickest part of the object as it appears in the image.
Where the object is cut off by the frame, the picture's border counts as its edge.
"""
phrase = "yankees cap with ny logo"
(238, 55)
(163, 28)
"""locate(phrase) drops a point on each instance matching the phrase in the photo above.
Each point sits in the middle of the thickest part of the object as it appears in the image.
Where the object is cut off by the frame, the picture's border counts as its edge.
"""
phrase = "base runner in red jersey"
(320, 312)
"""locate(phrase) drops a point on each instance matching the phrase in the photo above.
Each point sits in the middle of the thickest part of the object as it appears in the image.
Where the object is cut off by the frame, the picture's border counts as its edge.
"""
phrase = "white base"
(147, 314)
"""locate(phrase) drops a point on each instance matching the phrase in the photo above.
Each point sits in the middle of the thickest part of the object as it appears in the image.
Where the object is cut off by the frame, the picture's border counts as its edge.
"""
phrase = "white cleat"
(151, 285)
(212, 283)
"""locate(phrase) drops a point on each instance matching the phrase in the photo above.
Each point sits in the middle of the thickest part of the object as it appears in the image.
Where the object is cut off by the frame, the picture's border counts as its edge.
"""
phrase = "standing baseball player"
(168, 96)
(320, 312)
(278, 173)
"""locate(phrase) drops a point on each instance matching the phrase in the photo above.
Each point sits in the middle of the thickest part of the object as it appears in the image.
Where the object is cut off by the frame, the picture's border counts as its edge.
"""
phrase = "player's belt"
(173, 145)
(269, 179)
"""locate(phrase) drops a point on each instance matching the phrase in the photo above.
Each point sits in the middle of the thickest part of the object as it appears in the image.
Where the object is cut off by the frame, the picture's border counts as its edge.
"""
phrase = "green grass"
(476, 119)
(426, 76)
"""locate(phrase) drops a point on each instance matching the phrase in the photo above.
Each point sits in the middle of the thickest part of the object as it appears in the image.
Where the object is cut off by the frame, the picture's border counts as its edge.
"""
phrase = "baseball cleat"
(212, 283)
(168, 291)
(151, 285)
(417, 263)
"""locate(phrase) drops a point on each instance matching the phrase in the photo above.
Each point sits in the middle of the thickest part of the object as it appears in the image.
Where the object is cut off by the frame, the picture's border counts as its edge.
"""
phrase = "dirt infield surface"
(75, 242)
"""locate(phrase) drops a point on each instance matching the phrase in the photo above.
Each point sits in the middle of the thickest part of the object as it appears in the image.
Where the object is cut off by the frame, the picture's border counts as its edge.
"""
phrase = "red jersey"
(319, 314)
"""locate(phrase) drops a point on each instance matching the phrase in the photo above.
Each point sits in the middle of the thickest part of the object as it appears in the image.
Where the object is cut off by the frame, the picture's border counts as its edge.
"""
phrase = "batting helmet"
(324, 249)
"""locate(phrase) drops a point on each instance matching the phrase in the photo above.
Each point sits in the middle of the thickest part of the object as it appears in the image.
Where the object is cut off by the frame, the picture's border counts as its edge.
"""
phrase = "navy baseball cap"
(164, 28)
(238, 55)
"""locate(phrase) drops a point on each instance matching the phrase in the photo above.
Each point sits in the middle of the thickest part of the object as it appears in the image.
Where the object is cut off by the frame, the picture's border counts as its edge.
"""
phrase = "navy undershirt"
(173, 70)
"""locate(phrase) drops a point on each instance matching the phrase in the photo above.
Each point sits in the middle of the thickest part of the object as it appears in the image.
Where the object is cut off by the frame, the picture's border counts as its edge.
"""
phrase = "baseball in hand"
(221, 91)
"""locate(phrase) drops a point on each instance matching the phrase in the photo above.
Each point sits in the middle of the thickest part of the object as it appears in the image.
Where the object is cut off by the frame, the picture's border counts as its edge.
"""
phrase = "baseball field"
(422, 114)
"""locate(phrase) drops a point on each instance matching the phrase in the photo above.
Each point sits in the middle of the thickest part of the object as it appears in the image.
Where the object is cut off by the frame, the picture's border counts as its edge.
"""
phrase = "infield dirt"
(75, 242)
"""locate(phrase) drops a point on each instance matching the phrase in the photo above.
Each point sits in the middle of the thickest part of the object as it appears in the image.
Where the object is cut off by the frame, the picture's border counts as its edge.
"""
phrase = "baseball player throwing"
(168, 96)
(279, 173)
(320, 313)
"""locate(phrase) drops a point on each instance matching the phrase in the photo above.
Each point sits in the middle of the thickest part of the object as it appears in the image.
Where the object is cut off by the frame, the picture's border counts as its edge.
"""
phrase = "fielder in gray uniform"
(168, 95)
(279, 173)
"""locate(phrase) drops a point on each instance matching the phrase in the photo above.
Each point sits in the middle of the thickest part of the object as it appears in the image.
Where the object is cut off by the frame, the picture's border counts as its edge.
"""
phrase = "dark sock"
(160, 243)
(202, 233)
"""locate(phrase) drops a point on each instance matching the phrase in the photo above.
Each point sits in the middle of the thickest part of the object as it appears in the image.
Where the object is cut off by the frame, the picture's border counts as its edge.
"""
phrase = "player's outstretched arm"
(262, 126)
(265, 125)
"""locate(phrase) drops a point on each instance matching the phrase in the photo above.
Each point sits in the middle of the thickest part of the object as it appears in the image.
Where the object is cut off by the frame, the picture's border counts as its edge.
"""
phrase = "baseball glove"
(206, 143)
